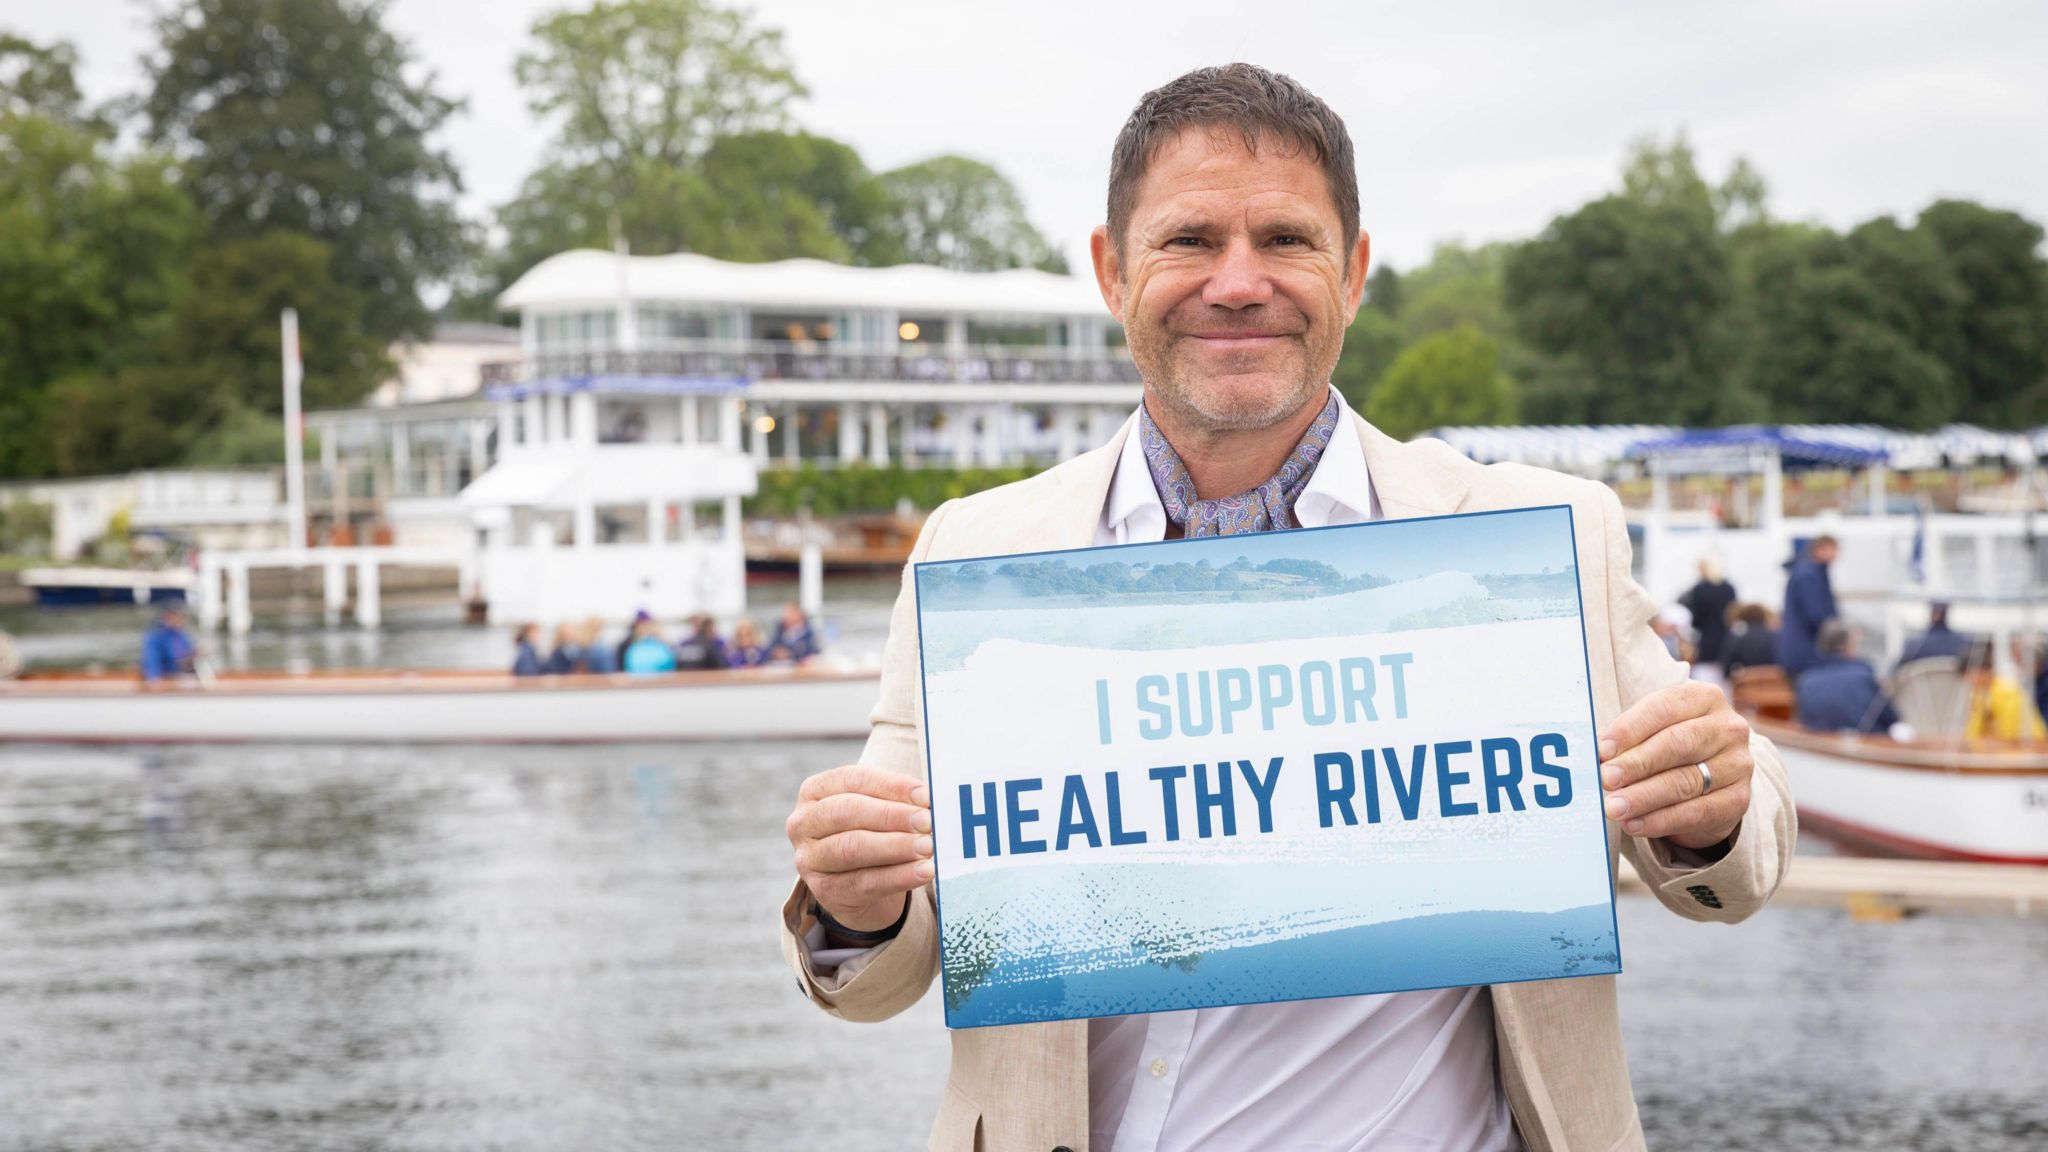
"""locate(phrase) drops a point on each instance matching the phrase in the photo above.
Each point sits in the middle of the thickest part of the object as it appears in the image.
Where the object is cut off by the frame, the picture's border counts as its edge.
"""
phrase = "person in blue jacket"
(526, 659)
(1839, 692)
(1809, 600)
(167, 652)
(1938, 640)
(648, 653)
(794, 640)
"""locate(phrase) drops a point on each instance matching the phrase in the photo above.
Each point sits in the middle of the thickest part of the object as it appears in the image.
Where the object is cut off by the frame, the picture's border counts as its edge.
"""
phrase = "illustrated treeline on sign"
(1283, 577)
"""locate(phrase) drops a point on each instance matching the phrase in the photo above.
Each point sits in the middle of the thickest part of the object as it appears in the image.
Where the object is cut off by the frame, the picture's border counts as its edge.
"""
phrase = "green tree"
(634, 84)
(953, 212)
(93, 254)
(1630, 295)
(304, 116)
(1370, 345)
(778, 195)
(1450, 377)
(2002, 357)
(1383, 290)
(1829, 336)
(42, 80)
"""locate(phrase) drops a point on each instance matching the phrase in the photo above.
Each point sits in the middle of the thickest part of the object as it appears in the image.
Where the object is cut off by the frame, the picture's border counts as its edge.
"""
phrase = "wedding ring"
(1706, 778)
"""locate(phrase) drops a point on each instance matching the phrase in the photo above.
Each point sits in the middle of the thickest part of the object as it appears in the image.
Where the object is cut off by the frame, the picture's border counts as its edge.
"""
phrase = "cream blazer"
(1024, 1088)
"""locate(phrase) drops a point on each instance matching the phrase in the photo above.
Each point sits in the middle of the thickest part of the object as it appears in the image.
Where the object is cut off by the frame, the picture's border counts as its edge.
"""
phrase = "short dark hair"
(1245, 99)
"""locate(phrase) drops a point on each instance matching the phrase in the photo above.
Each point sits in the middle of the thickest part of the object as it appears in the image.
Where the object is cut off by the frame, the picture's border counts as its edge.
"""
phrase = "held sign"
(1266, 767)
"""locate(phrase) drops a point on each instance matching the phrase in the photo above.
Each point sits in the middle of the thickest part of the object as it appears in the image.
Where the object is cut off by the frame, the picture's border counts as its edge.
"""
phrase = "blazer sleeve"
(884, 980)
(1735, 886)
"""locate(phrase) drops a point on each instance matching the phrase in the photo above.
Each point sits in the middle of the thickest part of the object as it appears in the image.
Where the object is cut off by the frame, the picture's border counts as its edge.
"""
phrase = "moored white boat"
(66, 586)
(440, 707)
(1958, 800)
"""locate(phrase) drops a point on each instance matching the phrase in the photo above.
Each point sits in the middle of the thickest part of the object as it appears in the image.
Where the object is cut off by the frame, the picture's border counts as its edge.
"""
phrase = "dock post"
(810, 578)
(334, 590)
(369, 608)
(209, 592)
(239, 616)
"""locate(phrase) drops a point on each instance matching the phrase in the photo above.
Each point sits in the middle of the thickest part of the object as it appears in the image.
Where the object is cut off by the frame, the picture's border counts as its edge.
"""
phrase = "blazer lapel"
(1407, 479)
(1075, 511)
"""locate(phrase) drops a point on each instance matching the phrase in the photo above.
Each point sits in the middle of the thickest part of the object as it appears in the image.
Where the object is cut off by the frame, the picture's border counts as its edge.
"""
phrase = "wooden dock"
(1876, 889)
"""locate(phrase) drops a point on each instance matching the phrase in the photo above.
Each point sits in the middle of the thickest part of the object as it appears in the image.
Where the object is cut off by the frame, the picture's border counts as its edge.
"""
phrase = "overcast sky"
(1473, 121)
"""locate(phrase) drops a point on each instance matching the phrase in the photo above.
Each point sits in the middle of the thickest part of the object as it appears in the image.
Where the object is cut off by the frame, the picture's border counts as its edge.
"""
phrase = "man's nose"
(1238, 279)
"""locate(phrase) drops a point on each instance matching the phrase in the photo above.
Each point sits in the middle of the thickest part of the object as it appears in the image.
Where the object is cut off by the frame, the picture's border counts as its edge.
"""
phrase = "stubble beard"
(1202, 403)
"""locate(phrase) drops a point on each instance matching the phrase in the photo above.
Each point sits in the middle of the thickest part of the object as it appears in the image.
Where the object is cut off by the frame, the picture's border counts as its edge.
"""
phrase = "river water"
(566, 948)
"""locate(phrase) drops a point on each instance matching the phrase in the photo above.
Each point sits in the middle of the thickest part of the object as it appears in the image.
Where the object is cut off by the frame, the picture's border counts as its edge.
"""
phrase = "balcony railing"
(775, 361)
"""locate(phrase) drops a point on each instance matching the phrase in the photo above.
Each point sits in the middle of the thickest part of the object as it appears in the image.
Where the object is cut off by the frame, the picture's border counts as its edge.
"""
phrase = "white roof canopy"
(591, 279)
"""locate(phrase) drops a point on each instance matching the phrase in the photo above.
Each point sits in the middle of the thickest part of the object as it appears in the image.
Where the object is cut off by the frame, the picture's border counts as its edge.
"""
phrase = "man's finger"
(1721, 808)
(848, 811)
(853, 851)
(847, 890)
(1659, 710)
(877, 782)
(1686, 742)
(1676, 785)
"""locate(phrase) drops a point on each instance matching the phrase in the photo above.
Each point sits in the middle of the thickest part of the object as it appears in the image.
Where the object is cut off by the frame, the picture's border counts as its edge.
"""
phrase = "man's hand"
(863, 839)
(1648, 759)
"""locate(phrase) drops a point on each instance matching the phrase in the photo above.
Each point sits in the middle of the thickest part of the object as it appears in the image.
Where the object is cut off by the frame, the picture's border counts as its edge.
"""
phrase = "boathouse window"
(662, 324)
(566, 330)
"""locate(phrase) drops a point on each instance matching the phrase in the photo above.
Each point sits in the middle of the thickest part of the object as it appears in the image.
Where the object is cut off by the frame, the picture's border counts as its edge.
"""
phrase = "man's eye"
(1289, 241)
(1184, 241)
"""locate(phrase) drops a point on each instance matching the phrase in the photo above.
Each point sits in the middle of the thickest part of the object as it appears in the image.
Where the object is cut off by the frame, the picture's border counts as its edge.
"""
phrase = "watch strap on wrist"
(837, 931)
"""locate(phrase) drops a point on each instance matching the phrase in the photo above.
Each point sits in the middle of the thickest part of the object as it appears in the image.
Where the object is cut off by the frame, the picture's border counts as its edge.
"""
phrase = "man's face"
(1232, 281)
(1824, 554)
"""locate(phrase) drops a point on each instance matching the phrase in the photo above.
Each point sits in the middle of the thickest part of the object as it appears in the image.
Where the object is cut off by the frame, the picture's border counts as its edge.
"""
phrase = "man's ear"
(1354, 288)
(1108, 270)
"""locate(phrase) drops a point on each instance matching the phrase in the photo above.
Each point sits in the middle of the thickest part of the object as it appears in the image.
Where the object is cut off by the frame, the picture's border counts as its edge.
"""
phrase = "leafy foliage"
(1444, 378)
(953, 212)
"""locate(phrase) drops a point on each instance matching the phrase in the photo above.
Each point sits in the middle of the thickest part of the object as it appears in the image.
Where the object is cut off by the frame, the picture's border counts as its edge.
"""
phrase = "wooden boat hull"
(750, 704)
(1968, 802)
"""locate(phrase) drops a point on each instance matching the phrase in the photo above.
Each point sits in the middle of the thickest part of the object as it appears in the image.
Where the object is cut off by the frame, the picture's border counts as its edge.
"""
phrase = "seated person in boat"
(167, 652)
(648, 653)
(1999, 708)
(1938, 640)
(568, 655)
(1839, 692)
(794, 642)
(703, 648)
(632, 633)
(747, 649)
(526, 659)
(599, 658)
(2040, 673)
(1753, 643)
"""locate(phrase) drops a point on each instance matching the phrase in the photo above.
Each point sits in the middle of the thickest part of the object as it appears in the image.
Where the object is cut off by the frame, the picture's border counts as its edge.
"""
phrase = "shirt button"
(1158, 1067)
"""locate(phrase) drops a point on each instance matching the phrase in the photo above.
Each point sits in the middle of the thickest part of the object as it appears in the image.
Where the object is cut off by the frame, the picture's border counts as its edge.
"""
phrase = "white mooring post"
(334, 590)
(369, 606)
(239, 616)
(294, 435)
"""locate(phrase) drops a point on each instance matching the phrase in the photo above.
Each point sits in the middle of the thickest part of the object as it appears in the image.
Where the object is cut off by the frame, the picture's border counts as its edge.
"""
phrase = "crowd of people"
(1835, 687)
(644, 650)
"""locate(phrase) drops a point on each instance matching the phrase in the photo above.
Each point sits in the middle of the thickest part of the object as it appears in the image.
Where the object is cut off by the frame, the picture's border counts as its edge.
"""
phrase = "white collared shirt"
(1405, 1071)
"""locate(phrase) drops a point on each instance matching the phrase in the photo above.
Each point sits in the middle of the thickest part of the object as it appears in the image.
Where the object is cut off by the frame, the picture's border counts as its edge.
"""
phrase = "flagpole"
(294, 435)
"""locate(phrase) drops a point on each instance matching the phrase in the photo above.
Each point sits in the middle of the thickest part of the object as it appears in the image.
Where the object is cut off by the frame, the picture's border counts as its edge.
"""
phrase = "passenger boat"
(63, 587)
(1937, 797)
(330, 707)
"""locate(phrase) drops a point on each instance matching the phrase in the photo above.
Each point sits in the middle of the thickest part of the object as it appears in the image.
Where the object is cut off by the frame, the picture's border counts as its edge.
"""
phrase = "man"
(1999, 708)
(1233, 257)
(1809, 599)
(1938, 640)
(1709, 601)
(167, 652)
(1839, 692)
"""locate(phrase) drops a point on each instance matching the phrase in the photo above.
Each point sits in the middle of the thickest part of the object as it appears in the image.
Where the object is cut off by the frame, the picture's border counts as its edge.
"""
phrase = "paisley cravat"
(1260, 509)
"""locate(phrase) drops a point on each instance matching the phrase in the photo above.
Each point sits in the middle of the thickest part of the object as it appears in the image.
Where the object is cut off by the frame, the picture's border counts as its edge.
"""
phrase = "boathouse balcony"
(771, 360)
